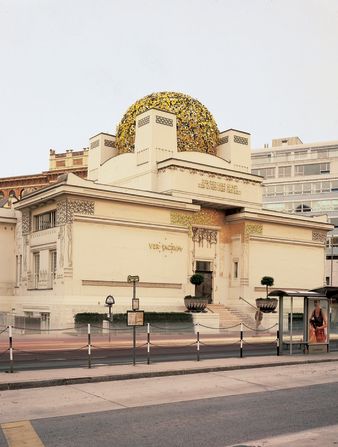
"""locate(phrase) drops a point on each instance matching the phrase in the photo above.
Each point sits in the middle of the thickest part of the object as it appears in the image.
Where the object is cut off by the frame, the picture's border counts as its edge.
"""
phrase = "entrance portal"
(205, 289)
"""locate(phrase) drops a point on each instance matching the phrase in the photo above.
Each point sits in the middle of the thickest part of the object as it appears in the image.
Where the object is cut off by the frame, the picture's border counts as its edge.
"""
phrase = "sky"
(71, 68)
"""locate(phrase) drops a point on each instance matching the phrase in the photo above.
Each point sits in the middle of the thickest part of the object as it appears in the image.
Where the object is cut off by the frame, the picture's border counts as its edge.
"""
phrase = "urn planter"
(267, 305)
(195, 303)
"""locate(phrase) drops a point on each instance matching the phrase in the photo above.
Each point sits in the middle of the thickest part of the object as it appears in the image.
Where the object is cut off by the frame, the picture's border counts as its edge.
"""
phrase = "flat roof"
(296, 293)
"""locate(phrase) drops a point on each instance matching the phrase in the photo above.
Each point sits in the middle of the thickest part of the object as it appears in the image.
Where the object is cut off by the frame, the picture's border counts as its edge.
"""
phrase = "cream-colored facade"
(160, 213)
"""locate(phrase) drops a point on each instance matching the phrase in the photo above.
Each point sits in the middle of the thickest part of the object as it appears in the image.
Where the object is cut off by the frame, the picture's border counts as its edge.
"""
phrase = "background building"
(302, 179)
(12, 189)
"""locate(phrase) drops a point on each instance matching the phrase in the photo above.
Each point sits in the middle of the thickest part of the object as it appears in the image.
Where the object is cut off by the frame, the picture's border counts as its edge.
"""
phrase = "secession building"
(168, 196)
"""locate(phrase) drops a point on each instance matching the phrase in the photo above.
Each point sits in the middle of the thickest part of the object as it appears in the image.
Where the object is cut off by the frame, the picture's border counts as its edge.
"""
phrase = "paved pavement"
(42, 378)
(274, 406)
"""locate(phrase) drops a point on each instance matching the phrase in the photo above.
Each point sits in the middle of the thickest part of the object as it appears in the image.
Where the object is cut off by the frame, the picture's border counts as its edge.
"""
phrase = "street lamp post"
(135, 306)
(110, 300)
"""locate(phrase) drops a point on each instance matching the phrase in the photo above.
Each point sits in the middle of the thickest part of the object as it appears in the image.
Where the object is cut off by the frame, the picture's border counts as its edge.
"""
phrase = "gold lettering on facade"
(219, 186)
(170, 248)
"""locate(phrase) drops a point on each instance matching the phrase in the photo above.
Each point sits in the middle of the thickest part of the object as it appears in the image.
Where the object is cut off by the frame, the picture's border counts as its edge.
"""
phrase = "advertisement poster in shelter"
(317, 321)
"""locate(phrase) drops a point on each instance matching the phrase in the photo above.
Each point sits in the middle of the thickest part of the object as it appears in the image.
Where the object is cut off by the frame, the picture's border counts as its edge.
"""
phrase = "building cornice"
(171, 163)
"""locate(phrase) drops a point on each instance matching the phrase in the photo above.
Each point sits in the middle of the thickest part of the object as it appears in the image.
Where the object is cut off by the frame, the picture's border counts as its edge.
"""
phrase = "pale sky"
(71, 68)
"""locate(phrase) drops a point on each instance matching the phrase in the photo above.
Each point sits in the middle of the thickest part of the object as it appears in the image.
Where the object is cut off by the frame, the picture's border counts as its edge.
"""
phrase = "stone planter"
(195, 304)
(267, 305)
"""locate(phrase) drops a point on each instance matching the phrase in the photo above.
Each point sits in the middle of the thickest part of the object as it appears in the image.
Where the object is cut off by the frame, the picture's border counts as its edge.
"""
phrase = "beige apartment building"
(168, 196)
(302, 179)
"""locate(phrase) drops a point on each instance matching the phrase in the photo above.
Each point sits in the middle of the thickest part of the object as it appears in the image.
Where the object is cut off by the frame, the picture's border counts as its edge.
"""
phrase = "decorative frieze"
(26, 221)
(319, 236)
(109, 143)
(223, 140)
(94, 144)
(200, 235)
(65, 210)
(241, 140)
(165, 121)
(252, 229)
(143, 121)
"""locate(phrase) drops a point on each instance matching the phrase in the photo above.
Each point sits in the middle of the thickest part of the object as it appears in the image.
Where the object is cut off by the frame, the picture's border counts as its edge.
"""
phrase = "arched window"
(2, 195)
(22, 192)
(303, 208)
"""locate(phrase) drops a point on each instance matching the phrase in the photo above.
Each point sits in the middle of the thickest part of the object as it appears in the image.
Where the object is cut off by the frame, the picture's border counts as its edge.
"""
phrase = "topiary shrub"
(197, 279)
(267, 281)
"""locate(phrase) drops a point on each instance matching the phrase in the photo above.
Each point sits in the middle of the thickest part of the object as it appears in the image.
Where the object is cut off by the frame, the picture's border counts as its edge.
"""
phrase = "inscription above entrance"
(219, 186)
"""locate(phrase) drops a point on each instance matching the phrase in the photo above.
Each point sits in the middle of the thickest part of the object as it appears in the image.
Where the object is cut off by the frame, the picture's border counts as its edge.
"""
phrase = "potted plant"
(267, 305)
(196, 303)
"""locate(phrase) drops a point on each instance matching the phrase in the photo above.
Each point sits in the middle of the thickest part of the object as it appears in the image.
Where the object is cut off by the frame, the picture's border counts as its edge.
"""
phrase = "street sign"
(133, 278)
(135, 304)
(135, 317)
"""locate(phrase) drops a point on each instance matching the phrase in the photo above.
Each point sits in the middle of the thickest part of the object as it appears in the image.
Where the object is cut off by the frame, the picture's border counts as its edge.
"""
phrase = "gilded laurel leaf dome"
(196, 127)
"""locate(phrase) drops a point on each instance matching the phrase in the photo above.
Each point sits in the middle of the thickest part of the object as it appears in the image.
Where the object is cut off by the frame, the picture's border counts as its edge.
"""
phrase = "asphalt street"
(216, 422)
(217, 409)
(50, 359)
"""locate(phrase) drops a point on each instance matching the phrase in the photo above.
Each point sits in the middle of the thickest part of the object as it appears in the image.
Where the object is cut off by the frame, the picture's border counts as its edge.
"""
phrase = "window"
(203, 266)
(284, 171)
(270, 191)
(45, 221)
(300, 155)
(298, 188)
(77, 161)
(235, 269)
(60, 163)
(303, 208)
(279, 190)
(334, 185)
(53, 264)
(312, 169)
(307, 188)
(264, 172)
(289, 189)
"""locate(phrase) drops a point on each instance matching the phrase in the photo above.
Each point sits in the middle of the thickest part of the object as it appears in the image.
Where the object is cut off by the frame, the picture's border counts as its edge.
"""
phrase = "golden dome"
(196, 127)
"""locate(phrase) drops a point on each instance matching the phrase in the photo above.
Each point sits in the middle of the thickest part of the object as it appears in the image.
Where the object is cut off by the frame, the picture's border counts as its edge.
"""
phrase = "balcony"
(40, 281)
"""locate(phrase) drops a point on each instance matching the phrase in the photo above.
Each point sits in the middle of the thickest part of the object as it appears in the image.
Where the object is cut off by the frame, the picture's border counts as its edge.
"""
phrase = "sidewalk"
(57, 377)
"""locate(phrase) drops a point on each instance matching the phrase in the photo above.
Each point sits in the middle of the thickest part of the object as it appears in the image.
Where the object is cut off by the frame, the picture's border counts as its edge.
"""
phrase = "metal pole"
(134, 345)
(89, 348)
(198, 341)
(291, 325)
(277, 342)
(148, 343)
(241, 342)
(331, 282)
(11, 360)
(109, 326)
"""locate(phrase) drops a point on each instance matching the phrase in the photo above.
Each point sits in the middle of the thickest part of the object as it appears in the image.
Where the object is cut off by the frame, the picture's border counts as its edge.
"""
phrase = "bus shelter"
(312, 311)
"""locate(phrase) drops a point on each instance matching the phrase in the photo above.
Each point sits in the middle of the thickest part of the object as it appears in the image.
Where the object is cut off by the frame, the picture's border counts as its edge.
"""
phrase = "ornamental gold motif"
(252, 229)
(196, 127)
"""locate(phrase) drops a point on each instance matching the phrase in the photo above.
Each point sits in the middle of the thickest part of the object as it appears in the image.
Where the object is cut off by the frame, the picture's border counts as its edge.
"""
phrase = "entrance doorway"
(205, 289)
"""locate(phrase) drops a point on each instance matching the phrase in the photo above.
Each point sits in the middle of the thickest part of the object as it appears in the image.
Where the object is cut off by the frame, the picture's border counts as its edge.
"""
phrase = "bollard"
(198, 341)
(11, 360)
(148, 343)
(89, 348)
(241, 342)
(277, 342)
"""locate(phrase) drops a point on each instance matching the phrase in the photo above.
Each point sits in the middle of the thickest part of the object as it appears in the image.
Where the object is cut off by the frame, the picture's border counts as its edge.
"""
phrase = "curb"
(142, 375)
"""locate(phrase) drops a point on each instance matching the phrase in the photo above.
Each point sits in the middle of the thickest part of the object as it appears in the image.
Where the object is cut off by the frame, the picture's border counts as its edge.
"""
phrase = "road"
(66, 358)
(218, 409)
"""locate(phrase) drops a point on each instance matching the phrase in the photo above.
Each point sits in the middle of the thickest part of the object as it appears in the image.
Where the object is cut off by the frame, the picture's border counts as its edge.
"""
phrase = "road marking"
(21, 434)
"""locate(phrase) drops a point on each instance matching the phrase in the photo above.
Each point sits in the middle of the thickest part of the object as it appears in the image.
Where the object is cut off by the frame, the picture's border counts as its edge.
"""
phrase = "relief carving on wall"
(26, 221)
(200, 235)
(65, 210)
(319, 236)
